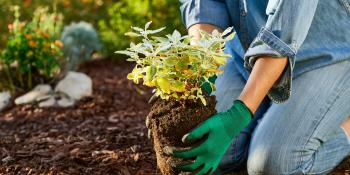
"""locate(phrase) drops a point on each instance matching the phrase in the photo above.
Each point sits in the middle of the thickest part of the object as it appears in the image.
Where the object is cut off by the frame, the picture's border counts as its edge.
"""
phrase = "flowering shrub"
(33, 51)
(73, 10)
(174, 67)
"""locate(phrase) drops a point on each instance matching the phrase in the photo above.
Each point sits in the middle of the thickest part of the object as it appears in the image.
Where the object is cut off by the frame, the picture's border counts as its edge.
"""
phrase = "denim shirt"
(311, 33)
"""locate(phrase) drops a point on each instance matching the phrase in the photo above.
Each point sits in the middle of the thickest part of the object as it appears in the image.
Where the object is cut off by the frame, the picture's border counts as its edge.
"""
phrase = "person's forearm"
(193, 31)
(265, 73)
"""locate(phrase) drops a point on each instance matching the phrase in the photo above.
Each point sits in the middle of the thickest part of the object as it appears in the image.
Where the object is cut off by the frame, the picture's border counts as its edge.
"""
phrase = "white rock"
(65, 102)
(45, 97)
(33, 95)
(50, 102)
(5, 98)
(75, 85)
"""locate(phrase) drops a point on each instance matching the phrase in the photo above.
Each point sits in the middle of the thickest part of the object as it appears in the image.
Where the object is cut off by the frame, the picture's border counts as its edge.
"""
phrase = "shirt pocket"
(272, 6)
(346, 5)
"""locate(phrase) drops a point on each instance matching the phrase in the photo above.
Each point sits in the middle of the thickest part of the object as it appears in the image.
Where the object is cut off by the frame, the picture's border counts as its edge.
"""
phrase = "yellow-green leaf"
(175, 95)
(203, 100)
(219, 60)
(130, 76)
(170, 61)
(217, 71)
(150, 72)
(178, 86)
(164, 85)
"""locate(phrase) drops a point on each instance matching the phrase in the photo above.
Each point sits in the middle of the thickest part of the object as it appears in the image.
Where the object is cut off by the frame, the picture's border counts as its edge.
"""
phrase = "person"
(263, 122)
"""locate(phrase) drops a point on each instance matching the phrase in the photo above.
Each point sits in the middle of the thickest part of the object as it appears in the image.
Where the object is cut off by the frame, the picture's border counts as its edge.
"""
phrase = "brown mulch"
(104, 134)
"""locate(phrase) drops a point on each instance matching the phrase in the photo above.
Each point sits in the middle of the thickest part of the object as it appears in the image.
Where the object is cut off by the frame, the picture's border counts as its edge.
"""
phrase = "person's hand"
(220, 130)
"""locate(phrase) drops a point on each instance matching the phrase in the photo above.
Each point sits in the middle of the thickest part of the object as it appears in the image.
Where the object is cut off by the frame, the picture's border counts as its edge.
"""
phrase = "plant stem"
(30, 83)
(8, 74)
(20, 77)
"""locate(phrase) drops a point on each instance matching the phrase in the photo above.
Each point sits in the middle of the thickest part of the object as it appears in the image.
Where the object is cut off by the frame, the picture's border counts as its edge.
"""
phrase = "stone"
(75, 85)
(33, 95)
(50, 102)
(66, 102)
(5, 99)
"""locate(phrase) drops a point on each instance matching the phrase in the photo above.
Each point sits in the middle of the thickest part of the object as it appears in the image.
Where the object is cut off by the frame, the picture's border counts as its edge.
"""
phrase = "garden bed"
(104, 134)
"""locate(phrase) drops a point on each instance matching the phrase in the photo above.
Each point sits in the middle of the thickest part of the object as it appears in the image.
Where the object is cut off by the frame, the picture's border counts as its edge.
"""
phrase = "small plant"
(33, 52)
(174, 67)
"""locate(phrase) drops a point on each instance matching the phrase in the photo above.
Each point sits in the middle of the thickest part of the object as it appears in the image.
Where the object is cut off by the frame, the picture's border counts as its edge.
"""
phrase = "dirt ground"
(104, 134)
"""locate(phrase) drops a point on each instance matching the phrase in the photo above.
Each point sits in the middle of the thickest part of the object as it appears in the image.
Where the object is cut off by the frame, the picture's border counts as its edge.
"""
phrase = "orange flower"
(66, 3)
(45, 35)
(21, 25)
(47, 45)
(59, 44)
(10, 27)
(29, 37)
(27, 2)
(32, 43)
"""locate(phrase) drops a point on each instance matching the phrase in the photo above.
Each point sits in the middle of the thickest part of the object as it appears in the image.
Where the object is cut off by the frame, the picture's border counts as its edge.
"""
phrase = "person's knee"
(258, 161)
(268, 160)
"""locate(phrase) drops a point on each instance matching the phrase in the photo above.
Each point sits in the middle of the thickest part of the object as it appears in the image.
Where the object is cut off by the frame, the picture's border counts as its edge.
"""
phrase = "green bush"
(33, 52)
(80, 41)
(126, 13)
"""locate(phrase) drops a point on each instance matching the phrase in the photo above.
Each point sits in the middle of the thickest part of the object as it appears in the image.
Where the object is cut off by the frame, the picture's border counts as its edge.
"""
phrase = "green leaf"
(130, 60)
(132, 34)
(150, 72)
(203, 100)
(176, 35)
(220, 60)
(178, 86)
(138, 29)
(230, 37)
(164, 85)
(227, 31)
(155, 31)
(170, 61)
(147, 25)
(125, 52)
(130, 76)
(160, 39)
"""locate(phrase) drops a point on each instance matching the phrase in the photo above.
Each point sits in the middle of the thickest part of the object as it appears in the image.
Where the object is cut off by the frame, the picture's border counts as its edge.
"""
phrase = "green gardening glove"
(221, 129)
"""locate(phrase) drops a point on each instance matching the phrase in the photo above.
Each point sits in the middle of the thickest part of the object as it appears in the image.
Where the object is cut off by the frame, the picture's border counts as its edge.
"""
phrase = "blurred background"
(111, 18)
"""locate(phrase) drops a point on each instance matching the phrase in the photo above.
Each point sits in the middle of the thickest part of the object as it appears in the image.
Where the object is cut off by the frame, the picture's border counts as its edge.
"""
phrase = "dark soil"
(170, 121)
(104, 134)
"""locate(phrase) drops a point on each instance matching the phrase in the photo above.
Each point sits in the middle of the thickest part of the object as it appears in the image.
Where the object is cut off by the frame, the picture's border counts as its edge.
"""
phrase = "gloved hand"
(220, 129)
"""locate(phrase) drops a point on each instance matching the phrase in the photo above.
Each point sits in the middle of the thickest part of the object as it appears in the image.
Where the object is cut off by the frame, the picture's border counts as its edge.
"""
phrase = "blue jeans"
(300, 136)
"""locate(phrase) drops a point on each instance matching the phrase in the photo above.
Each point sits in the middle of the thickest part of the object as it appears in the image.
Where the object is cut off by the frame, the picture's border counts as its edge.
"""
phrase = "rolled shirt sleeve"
(205, 11)
(286, 29)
